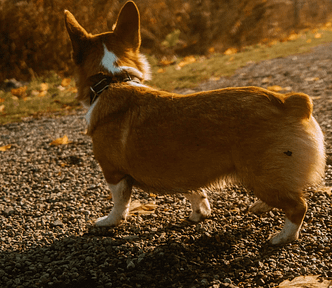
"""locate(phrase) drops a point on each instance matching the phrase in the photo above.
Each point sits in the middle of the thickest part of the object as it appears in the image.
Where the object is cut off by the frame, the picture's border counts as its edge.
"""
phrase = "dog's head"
(109, 53)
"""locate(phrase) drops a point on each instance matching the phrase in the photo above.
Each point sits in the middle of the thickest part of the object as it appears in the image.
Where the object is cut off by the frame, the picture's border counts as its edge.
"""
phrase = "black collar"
(102, 81)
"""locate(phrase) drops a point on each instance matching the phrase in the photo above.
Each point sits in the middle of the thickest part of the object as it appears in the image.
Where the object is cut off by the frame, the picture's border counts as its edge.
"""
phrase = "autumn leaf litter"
(51, 194)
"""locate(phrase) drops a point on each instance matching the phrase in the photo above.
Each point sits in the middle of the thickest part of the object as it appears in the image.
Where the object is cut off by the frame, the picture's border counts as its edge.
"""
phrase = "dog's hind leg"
(199, 204)
(121, 193)
(295, 211)
(294, 207)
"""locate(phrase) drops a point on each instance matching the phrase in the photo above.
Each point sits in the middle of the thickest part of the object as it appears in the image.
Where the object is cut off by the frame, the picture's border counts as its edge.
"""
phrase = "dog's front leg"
(121, 193)
(199, 204)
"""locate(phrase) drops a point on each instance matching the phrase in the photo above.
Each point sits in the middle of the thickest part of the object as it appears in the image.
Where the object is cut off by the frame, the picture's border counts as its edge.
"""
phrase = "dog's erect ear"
(77, 34)
(128, 25)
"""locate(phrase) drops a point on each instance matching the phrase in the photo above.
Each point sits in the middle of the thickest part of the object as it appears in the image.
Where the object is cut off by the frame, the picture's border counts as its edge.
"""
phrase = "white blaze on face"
(108, 61)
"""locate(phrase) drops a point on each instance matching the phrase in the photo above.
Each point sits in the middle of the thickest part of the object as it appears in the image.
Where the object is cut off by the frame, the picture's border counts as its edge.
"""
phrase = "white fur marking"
(199, 204)
(132, 83)
(132, 71)
(89, 113)
(109, 60)
(289, 232)
(120, 209)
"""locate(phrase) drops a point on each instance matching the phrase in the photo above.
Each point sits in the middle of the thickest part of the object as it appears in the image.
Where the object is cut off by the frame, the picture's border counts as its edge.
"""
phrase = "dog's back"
(182, 143)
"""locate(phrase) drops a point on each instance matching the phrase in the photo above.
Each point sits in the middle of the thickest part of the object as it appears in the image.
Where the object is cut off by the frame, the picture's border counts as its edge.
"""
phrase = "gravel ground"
(51, 195)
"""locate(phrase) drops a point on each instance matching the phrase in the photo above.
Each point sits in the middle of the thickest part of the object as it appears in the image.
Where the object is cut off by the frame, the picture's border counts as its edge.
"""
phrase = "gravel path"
(50, 196)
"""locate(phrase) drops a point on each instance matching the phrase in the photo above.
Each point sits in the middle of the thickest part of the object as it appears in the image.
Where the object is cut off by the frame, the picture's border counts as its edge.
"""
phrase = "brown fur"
(171, 143)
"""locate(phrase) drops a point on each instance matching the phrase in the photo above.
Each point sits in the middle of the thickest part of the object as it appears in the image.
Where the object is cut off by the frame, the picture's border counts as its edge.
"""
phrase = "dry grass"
(61, 100)
(217, 65)
(34, 40)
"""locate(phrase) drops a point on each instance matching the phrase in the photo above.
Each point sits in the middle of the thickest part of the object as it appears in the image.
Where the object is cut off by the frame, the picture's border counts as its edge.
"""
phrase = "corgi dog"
(168, 143)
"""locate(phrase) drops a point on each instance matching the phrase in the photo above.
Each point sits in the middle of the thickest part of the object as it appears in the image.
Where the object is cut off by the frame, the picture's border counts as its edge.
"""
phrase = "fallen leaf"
(65, 82)
(137, 207)
(275, 88)
(230, 51)
(306, 281)
(166, 62)
(318, 35)
(310, 79)
(211, 50)
(2, 108)
(309, 41)
(187, 60)
(292, 37)
(42, 93)
(6, 147)
(85, 132)
(19, 92)
(60, 141)
(160, 70)
(273, 42)
(266, 80)
(43, 87)
(109, 197)
(152, 195)
(328, 24)
(72, 89)
(2, 100)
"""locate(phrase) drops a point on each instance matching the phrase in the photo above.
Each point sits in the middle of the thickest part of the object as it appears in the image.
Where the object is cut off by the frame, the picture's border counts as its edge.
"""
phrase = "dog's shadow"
(192, 234)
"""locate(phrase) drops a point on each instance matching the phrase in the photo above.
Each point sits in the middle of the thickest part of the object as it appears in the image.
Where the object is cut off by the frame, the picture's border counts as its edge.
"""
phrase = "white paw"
(113, 219)
(289, 233)
(202, 212)
(260, 207)
(280, 239)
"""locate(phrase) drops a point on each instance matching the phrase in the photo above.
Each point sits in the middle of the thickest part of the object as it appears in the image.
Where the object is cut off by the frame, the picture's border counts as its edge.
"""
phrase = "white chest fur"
(89, 114)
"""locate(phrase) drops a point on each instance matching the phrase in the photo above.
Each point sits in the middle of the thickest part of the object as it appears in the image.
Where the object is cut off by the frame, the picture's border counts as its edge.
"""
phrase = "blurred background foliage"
(34, 40)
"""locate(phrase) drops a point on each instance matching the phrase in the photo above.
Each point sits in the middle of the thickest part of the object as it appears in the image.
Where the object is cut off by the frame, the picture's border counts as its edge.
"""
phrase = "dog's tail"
(299, 105)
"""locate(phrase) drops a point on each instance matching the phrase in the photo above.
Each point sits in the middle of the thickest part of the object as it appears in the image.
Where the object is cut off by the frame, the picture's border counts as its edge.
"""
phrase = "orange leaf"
(230, 51)
(43, 87)
(137, 207)
(19, 92)
(309, 41)
(211, 50)
(2, 107)
(166, 62)
(72, 89)
(292, 37)
(2, 100)
(42, 93)
(187, 60)
(65, 82)
(6, 147)
(318, 35)
(275, 88)
(305, 281)
(60, 141)
(160, 70)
